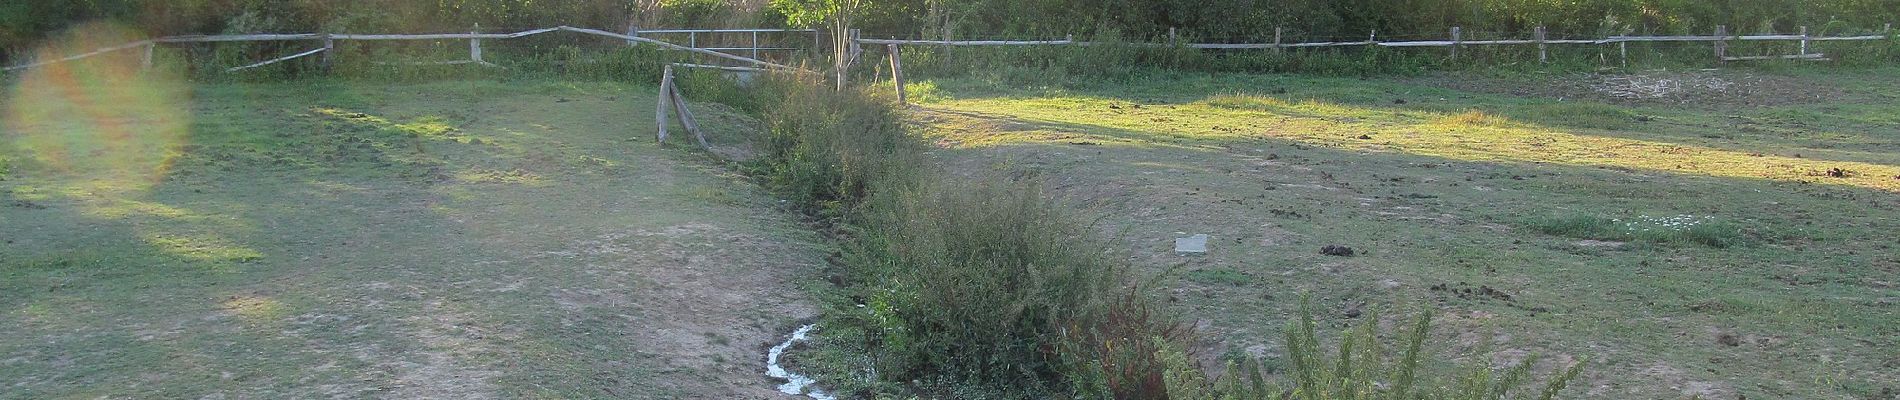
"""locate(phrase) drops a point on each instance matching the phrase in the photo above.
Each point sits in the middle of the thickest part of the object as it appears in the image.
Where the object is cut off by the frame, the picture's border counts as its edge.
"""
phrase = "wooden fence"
(327, 44)
(1454, 41)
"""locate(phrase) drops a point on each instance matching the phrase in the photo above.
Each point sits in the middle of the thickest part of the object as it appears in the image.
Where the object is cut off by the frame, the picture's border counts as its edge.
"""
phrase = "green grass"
(455, 239)
(1476, 201)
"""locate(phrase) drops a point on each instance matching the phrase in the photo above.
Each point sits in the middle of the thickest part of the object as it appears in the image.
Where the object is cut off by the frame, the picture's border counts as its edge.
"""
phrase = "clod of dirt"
(1336, 250)
(1728, 339)
(1352, 311)
(1365, 137)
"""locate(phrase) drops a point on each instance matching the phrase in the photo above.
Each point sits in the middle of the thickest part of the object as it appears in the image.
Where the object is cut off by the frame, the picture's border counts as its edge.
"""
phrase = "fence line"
(632, 37)
(1720, 40)
(473, 38)
(1401, 43)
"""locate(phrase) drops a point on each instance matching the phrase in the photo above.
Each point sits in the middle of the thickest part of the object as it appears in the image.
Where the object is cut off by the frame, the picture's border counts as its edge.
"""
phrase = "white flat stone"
(1191, 244)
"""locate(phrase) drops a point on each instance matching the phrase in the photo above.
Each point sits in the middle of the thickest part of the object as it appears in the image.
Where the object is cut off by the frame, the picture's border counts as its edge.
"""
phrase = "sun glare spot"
(104, 119)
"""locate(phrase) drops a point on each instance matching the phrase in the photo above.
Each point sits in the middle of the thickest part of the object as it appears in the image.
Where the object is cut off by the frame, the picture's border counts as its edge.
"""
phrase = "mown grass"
(1477, 202)
(323, 238)
(1686, 229)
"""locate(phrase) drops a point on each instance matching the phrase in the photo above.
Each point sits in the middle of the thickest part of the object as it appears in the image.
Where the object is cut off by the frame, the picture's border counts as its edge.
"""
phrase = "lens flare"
(106, 121)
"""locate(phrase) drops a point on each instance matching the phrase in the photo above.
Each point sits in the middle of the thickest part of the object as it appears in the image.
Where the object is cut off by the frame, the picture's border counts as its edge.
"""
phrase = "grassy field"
(1731, 240)
(446, 240)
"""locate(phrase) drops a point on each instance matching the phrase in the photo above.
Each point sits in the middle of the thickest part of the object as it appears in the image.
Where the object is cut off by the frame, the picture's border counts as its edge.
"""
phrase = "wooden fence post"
(1721, 43)
(1543, 54)
(475, 45)
(665, 97)
(897, 74)
(329, 46)
(1276, 41)
(1804, 40)
(145, 62)
(634, 31)
(1623, 48)
(755, 44)
(1172, 39)
(1456, 41)
(686, 116)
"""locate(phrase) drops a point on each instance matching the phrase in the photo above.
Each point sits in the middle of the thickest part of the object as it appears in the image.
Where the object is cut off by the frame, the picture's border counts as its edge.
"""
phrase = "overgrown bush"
(984, 281)
(826, 148)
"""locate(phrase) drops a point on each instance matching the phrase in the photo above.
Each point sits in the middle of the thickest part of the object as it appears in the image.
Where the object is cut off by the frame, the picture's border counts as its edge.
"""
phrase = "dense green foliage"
(983, 282)
(1256, 20)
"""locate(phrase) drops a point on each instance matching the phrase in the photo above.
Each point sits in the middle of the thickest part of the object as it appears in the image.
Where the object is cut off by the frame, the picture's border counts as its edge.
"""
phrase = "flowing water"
(795, 384)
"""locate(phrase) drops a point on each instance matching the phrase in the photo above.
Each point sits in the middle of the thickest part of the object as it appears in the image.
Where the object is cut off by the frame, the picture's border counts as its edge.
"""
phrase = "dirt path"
(457, 240)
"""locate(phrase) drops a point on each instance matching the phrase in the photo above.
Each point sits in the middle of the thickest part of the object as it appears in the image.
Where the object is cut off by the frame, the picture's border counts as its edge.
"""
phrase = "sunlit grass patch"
(512, 176)
(1472, 118)
(1242, 101)
(202, 247)
(1691, 229)
(1464, 136)
(426, 126)
(255, 309)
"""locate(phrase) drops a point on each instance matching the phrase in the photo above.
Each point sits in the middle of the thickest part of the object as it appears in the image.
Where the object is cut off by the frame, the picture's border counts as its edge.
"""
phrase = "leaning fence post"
(475, 45)
(686, 116)
(1804, 40)
(1543, 55)
(1456, 41)
(897, 74)
(1721, 43)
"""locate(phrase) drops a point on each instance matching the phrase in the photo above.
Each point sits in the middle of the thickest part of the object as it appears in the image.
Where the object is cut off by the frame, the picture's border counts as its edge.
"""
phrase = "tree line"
(25, 22)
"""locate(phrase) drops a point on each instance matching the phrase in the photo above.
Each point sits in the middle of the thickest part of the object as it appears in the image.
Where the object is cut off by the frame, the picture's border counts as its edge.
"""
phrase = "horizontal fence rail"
(1540, 38)
(1399, 43)
(473, 38)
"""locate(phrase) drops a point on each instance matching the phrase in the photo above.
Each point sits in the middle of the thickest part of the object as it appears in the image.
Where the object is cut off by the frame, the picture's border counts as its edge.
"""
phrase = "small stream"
(795, 384)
